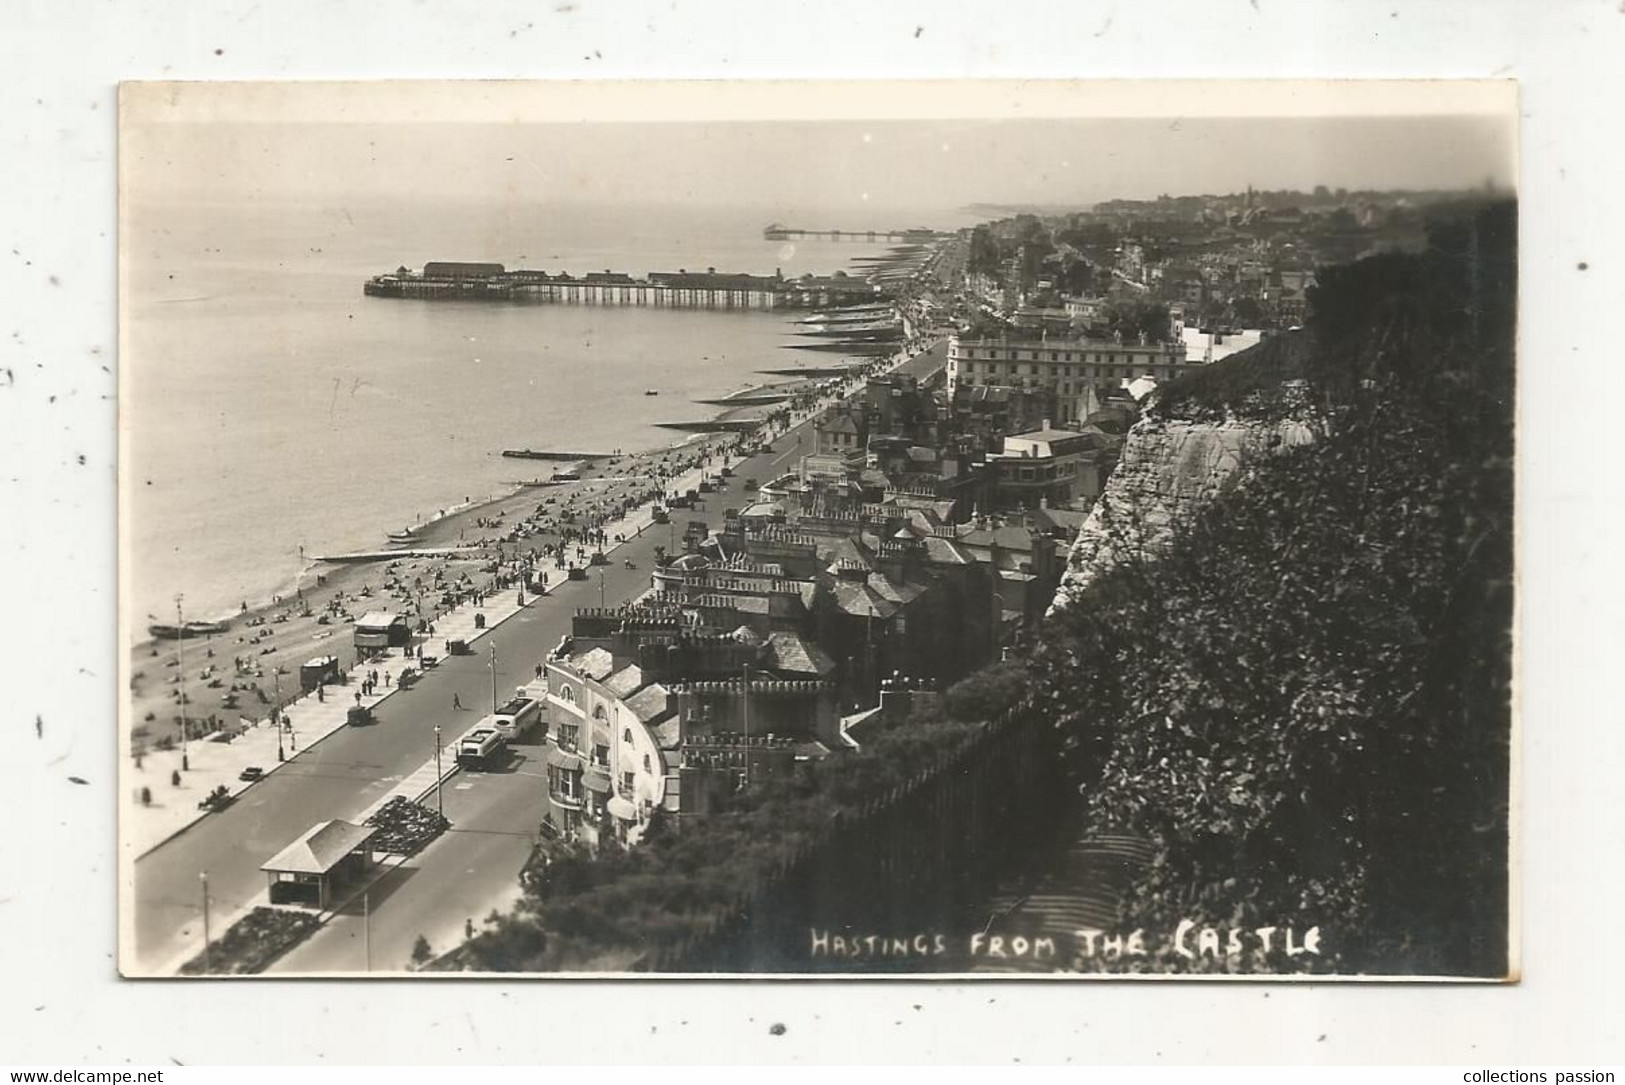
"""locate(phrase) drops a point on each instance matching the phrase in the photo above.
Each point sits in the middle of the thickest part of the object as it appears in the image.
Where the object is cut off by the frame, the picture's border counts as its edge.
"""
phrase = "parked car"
(250, 774)
(427, 660)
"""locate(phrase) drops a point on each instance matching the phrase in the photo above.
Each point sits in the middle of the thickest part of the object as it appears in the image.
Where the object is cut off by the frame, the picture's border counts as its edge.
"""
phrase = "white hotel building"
(1076, 371)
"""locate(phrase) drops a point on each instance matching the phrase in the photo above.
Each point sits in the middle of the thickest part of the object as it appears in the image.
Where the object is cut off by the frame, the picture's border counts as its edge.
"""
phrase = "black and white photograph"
(1005, 531)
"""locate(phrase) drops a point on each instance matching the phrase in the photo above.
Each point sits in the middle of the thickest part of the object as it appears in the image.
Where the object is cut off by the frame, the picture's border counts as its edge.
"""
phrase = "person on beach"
(456, 702)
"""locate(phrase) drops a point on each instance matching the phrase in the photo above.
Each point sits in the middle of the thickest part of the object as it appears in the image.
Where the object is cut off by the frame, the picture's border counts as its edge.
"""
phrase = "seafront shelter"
(318, 672)
(310, 871)
(379, 631)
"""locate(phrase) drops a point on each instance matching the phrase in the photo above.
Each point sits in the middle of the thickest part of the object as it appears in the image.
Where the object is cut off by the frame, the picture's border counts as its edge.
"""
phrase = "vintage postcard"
(850, 529)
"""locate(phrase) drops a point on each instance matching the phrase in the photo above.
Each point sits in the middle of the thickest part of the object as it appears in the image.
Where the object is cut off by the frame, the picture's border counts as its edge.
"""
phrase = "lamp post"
(180, 665)
(203, 879)
(276, 716)
(493, 678)
(366, 926)
(439, 790)
(600, 587)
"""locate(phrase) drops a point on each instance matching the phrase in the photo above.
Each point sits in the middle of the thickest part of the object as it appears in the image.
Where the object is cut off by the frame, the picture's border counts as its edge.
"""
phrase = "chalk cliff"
(1169, 467)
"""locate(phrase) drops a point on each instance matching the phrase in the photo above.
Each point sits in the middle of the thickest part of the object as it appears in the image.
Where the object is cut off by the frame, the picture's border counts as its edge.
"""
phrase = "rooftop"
(320, 849)
(789, 652)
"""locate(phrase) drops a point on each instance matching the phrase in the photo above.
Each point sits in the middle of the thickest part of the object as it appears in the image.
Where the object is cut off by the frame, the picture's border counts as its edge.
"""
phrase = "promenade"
(352, 770)
(218, 761)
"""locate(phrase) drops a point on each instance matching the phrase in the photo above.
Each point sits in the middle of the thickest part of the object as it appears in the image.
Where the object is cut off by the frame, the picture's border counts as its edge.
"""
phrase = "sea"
(272, 413)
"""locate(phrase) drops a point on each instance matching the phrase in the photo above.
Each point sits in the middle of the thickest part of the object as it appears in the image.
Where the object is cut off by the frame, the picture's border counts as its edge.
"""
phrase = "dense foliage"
(1131, 318)
(1304, 700)
(613, 908)
(254, 942)
(405, 827)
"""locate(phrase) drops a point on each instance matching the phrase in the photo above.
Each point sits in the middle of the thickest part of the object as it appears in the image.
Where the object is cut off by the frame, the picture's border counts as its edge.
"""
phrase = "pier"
(778, 232)
(682, 289)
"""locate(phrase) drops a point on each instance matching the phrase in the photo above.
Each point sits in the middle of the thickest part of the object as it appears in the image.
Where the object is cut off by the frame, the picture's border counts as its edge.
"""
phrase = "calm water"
(270, 406)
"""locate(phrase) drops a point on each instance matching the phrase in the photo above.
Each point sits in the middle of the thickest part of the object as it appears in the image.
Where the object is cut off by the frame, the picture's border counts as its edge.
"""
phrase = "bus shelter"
(313, 869)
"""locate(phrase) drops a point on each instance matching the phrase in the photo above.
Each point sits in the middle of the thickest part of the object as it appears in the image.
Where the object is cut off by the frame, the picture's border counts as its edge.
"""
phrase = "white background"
(60, 1000)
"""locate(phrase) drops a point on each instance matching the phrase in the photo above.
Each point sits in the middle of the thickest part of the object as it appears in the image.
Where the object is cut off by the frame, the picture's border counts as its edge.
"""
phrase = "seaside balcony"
(563, 799)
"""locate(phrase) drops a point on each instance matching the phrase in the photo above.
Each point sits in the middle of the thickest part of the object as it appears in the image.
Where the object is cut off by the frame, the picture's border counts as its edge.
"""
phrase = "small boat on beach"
(409, 534)
(536, 454)
(650, 392)
(171, 631)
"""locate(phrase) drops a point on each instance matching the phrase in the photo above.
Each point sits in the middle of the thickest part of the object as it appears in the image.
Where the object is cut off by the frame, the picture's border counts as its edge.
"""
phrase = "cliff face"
(1167, 470)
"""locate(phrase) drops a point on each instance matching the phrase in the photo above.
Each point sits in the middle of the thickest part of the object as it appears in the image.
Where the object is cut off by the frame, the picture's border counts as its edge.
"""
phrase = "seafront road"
(352, 769)
(460, 877)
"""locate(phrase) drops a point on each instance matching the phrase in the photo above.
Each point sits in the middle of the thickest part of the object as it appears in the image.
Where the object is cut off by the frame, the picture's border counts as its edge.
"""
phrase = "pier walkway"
(777, 232)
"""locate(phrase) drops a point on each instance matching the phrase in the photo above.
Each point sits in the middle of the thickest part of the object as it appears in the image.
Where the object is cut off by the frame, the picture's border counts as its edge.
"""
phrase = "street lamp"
(203, 878)
(439, 790)
(493, 678)
(276, 715)
(180, 665)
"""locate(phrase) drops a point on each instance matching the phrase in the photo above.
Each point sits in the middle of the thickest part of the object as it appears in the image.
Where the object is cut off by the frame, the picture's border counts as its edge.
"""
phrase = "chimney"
(1045, 425)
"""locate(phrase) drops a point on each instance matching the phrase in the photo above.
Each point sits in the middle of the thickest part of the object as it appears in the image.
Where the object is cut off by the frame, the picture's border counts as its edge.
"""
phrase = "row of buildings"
(1242, 260)
(922, 529)
(925, 525)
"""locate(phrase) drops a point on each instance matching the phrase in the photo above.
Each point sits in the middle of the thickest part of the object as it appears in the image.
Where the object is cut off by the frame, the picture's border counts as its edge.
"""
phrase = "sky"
(926, 164)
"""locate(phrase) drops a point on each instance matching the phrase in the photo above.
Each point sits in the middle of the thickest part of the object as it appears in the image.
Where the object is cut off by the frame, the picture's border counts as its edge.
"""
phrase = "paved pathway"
(1078, 891)
(219, 761)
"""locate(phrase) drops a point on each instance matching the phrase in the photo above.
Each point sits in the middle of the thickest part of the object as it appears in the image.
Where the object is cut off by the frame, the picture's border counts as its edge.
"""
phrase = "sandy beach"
(530, 535)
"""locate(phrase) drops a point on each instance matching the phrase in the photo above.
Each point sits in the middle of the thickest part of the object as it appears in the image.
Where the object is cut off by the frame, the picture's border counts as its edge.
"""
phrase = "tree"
(1247, 312)
(988, 693)
(984, 256)
(421, 953)
(1132, 317)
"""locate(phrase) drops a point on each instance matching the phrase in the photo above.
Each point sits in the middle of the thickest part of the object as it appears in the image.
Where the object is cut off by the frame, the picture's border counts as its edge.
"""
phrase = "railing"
(983, 800)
